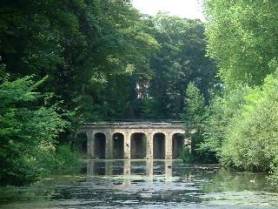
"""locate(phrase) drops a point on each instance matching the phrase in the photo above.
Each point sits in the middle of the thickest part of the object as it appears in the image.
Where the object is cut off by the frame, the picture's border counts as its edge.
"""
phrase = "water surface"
(145, 185)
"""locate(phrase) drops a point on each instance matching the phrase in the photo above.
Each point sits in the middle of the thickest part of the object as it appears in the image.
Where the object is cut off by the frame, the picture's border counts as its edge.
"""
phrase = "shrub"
(28, 130)
(252, 137)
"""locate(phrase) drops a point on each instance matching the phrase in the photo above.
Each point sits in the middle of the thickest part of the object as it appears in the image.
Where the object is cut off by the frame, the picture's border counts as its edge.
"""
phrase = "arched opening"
(138, 146)
(159, 146)
(178, 145)
(100, 144)
(118, 146)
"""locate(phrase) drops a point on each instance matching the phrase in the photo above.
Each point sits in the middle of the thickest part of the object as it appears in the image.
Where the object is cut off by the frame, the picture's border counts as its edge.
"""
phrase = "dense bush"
(220, 113)
(194, 108)
(242, 129)
(195, 115)
(28, 128)
(64, 159)
(252, 137)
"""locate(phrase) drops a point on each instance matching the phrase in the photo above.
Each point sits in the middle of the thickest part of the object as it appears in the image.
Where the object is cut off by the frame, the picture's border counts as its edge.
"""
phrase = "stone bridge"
(135, 140)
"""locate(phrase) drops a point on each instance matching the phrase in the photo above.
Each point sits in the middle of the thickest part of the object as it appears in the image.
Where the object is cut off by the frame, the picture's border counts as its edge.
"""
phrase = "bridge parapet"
(136, 125)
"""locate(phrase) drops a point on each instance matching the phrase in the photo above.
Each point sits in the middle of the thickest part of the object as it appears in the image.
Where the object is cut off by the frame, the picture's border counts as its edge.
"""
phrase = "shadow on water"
(145, 184)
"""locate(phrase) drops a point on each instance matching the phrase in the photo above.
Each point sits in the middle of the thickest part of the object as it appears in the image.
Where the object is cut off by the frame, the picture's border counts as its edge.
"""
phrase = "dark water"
(145, 184)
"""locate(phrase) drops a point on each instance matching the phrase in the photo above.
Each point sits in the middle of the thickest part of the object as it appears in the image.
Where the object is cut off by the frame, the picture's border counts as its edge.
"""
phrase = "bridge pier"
(108, 145)
(90, 144)
(127, 145)
(164, 132)
(168, 146)
(149, 147)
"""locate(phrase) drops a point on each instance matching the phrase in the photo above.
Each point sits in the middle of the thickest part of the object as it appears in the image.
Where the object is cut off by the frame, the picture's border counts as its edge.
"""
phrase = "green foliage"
(273, 178)
(194, 105)
(96, 53)
(186, 155)
(61, 160)
(195, 115)
(252, 138)
(242, 38)
(242, 127)
(85, 48)
(180, 59)
(27, 130)
(220, 113)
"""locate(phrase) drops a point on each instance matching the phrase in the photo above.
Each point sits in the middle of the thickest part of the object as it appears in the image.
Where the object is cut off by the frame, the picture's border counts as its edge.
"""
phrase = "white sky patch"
(190, 9)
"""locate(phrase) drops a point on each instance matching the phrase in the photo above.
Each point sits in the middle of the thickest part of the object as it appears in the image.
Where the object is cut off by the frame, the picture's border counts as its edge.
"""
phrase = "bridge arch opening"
(118, 146)
(100, 146)
(178, 145)
(159, 146)
(138, 146)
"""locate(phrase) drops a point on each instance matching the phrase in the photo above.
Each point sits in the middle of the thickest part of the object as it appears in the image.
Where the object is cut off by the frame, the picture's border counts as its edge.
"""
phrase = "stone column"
(90, 144)
(127, 145)
(149, 144)
(168, 146)
(108, 145)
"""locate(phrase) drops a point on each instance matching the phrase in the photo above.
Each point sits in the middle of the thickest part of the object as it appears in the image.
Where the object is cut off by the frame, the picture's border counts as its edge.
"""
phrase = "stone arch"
(177, 145)
(159, 140)
(138, 145)
(118, 145)
(99, 145)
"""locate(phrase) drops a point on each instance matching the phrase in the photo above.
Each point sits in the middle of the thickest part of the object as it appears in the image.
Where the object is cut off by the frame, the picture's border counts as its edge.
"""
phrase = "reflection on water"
(128, 167)
(146, 184)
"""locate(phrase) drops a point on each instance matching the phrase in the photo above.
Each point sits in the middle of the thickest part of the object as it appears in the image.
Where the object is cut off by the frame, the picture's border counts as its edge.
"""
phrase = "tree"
(27, 130)
(221, 110)
(181, 59)
(82, 46)
(242, 39)
(194, 105)
(195, 116)
(251, 141)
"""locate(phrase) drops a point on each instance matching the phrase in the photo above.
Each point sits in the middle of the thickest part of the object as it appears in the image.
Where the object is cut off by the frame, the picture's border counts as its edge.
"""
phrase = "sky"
(183, 8)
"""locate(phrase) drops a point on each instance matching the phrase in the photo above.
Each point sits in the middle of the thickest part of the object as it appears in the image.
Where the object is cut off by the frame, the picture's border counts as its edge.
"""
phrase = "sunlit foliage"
(242, 127)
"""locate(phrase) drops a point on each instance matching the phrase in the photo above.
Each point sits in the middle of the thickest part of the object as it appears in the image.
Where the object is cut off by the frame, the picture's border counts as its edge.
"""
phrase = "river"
(144, 184)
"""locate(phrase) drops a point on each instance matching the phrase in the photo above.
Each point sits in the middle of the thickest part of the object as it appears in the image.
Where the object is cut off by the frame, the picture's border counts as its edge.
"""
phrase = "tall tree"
(242, 38)
(181, 59)
(83, 47)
